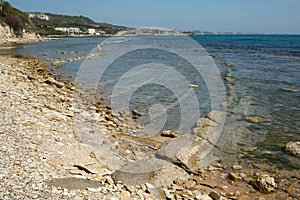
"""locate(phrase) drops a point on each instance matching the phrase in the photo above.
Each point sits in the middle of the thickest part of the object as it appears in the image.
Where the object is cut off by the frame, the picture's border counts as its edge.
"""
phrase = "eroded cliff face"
(7, 36)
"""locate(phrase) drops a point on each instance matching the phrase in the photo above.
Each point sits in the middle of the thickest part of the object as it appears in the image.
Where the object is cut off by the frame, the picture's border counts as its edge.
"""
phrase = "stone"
(149, 185)
(290, 89)
(167, 193)
(252, 119)
(182, 151)
(209, 128)
(76, 172)
(124, 195)
(193, 86)
(54, 82)
(264, 183)
(136, 113)
(203, 197)
(217, 116)
(190, 184)
(215, 195)
(157, 192)
(293, 148)
(169, 133)
(237, 167)
(234, 177)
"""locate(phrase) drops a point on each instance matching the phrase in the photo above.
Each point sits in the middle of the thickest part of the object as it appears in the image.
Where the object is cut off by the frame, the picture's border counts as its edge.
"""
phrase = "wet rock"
(256, 119)
(293, 148)
(290, 89)
(193, 86)
(54, 82)
(264, 184)
(216, 116)
(136, 113)
(237, 167)
(61, 52)
(58, 63)
(234, 177)
(169, 133)
(209, 126)
(252, 119)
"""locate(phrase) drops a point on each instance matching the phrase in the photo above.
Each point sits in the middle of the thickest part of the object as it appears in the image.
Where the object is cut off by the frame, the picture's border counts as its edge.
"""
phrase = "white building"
(68, 30)
(91, 31)
(39, 16)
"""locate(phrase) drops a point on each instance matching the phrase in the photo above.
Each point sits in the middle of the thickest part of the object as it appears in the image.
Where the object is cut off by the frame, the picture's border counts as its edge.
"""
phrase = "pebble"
(237, 167)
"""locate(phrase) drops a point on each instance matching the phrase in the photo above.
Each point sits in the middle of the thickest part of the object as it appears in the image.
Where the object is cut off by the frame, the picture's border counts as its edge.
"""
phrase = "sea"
(260, 77)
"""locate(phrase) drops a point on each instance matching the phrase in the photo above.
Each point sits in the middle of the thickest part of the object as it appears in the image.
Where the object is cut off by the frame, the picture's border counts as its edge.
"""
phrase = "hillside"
(47, 22)
(17, 20)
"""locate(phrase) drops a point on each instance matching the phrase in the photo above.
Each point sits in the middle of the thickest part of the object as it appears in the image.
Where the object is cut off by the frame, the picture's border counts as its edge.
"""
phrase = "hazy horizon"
(264, 16)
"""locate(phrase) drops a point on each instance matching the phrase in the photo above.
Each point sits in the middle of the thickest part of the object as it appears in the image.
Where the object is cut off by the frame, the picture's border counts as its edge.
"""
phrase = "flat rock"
(74, 183)
(149, 170)
(216, 116)
(174, 147)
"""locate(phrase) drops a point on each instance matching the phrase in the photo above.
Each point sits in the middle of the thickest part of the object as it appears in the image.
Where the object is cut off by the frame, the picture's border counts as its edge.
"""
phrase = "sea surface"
(261, 75)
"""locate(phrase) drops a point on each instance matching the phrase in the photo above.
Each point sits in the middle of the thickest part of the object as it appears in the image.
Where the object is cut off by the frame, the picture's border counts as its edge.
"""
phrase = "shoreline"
(40, 147)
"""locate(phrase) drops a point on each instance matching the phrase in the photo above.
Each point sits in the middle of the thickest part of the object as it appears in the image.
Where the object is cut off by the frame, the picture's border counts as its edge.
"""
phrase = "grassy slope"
(45, 27)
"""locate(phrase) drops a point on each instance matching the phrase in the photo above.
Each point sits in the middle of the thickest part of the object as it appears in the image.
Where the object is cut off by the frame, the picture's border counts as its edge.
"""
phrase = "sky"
(257, 16)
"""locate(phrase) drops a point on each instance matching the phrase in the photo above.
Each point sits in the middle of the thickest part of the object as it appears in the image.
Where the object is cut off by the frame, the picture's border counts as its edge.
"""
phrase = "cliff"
(8, 36)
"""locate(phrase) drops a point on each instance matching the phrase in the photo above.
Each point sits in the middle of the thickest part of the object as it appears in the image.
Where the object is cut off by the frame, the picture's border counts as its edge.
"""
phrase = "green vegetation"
(47, 27)
(16, 19)
(33, 22)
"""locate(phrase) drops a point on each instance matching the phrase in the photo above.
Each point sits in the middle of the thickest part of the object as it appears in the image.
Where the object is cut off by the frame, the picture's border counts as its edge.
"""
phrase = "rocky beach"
(44, 155)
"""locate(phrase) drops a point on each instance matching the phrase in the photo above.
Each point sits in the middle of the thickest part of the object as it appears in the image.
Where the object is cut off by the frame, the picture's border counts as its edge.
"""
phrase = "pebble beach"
(44, 157)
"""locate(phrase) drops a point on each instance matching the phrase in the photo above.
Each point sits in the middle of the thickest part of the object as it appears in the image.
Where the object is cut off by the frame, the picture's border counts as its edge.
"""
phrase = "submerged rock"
(256, 119)
(193, 86)
(293, 148)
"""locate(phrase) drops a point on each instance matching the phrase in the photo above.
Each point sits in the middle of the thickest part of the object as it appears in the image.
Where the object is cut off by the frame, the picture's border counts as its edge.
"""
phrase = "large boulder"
(188, 150)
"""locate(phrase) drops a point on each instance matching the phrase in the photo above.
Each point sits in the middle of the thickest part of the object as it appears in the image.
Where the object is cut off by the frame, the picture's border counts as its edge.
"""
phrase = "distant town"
(97, 31)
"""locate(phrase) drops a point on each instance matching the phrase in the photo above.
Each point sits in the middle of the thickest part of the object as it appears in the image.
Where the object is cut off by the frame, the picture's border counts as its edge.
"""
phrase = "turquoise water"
(265, 74)
(263, 67)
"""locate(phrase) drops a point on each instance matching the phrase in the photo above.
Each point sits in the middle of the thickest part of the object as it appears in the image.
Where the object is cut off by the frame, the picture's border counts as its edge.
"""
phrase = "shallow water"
(265, 73)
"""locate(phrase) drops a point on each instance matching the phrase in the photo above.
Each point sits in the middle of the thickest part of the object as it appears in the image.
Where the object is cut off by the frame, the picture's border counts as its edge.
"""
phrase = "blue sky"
(276, 16)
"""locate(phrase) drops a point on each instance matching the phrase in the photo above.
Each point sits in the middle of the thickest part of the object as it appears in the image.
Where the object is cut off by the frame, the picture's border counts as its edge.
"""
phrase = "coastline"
(41, 152)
